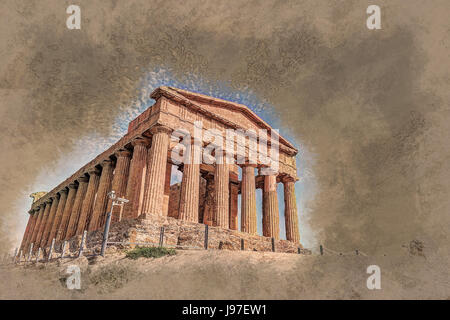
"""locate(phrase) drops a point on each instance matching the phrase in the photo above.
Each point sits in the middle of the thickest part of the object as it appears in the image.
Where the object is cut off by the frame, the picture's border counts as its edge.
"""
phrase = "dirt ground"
(228, 275)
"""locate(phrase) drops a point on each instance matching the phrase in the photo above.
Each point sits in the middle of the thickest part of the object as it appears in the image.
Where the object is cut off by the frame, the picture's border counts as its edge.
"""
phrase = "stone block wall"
(177, 233)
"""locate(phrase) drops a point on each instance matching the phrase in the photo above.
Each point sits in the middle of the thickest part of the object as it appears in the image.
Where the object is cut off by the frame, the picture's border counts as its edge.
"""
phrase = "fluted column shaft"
(39, 237)
(136, 179)
(77, 204)
(167, 188)
(37, 226)
(271, 218)
(58, 215)
(62, 231)
(51, 218)
(156, 173)
(190, 188)
(222, 190)
(88, 201)
(209, 204)
(234, 195)
(248, 200)
(119, 182)
(27, 230)
(33, 228)
(101, 201)
(290, 211)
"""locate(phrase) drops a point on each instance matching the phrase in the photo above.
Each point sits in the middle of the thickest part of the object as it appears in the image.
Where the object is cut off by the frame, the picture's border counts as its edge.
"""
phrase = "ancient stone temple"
(139, 167)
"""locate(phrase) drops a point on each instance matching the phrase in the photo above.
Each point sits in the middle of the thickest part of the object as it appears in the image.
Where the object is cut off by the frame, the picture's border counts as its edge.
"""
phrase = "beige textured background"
(371, 106)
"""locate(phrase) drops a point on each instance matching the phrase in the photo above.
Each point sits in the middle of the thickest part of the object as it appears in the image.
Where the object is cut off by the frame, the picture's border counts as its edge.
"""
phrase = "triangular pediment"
(236, 113)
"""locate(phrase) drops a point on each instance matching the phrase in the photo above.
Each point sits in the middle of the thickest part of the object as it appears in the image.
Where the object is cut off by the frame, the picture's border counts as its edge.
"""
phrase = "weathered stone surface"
(174, 200)
(77, 206)
(248, 201)
(290, 204)
(27, 231)
(58, 215)
(221, 195)
(234, 193)
(50, 220)
(34, 216)
(119, 182)
(271, 219)
(101, 201)
(136, 179)
(43, 223)
(88, 202)
(153, 201)
(177, 233)
(61, 234)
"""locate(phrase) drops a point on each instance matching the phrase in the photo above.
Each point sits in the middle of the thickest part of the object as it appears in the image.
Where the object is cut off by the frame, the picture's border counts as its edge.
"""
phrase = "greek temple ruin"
(139, 168)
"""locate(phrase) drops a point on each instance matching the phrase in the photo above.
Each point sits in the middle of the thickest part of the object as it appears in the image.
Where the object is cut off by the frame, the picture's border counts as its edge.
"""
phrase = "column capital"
(93, 171)
(160, 128)
(267, 171)
(254, 165)
(64, 190)
(140, 141)
(287, 178)
(122, 153)
(106, 162)
(72, 185)
(83, 179)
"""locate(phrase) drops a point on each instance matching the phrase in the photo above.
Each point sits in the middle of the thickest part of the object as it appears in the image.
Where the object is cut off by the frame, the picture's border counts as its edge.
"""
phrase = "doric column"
(33, 224)
(290, 210)
(58, 215)
(248, 200)
(167, 188)
(209, 203)
(136, 179)
(40, 235)
(234, 195)
(222, 196)
(76, 210)
(101, 201)
(51, 218)
(271, 218)
(156, 172)
(119, 182)
(88, 201)
(62, 230)
(37, 226)
(27, 230)
(190, 191)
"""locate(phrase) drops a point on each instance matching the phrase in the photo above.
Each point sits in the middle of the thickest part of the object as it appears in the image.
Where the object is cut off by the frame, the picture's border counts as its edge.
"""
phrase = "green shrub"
(150, 252)
(111, 277)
